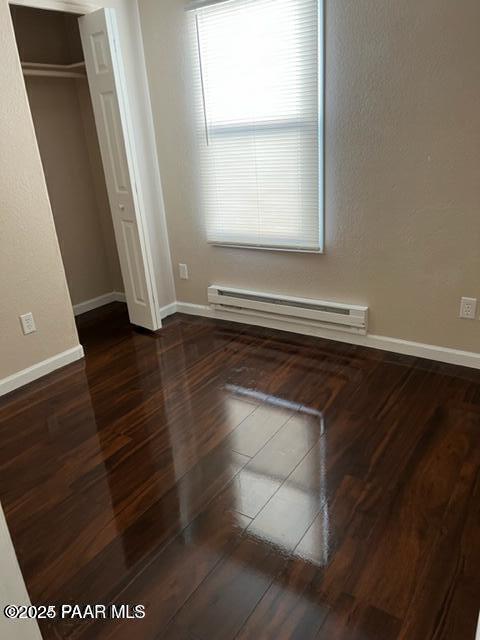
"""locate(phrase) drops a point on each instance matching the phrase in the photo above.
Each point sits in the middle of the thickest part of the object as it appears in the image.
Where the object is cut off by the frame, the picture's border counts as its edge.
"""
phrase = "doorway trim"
(66, 6)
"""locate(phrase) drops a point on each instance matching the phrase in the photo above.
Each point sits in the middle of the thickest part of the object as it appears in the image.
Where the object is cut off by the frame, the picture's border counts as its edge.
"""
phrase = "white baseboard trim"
(385, 343)
(21, 378)
(422, 350)
(168, 310)
(195, 309)
(100, 301)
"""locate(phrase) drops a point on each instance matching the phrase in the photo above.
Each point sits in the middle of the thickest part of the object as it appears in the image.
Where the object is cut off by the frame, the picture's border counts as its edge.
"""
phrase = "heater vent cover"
(313, 313)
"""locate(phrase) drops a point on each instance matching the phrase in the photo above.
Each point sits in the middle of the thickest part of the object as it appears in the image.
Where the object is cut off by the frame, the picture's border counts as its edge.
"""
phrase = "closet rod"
(54, 70)
(53, 74)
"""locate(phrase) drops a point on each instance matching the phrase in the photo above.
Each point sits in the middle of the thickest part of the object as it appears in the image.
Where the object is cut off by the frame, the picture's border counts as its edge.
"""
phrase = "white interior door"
(110, 104)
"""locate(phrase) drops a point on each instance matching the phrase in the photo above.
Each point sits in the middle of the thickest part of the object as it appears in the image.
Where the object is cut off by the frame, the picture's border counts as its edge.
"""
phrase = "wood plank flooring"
(245, 483)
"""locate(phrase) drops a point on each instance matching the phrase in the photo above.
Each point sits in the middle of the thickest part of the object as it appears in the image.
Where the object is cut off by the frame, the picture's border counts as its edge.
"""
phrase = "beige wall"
(402, 169)
(32, 275)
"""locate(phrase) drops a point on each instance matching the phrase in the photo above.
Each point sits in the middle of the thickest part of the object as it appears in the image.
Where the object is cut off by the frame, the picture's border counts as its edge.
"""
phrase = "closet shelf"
(76, 70)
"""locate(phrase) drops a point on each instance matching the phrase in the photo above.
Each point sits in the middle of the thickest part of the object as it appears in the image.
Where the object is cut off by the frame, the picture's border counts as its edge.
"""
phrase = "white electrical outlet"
(468, 308)
(28, 323)
(183, 271)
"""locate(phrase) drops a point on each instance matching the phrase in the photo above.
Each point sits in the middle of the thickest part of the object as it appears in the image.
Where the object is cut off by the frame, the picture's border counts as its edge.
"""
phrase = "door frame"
(65, 6)
(84, 8)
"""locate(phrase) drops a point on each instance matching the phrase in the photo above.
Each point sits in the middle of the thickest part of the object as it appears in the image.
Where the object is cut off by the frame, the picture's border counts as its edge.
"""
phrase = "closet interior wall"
(65, 128)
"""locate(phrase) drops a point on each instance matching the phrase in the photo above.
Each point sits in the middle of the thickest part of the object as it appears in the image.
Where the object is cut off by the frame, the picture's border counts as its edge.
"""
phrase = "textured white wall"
(403, 160)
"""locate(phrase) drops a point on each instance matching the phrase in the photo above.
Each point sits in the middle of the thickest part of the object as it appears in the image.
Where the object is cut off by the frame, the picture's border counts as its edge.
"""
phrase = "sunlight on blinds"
(260, 101)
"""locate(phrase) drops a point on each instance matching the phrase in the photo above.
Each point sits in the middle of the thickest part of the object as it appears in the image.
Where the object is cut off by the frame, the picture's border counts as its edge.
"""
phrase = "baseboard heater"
(299, 311)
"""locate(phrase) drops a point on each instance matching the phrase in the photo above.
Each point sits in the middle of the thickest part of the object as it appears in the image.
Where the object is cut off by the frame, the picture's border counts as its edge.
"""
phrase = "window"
(260, 97)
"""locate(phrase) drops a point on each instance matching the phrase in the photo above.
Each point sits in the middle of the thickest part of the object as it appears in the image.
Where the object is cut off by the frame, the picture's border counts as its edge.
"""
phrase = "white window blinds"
(260, 97)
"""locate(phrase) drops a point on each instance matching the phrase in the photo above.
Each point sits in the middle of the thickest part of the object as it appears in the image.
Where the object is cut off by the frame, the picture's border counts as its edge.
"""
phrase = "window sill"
(232, 245)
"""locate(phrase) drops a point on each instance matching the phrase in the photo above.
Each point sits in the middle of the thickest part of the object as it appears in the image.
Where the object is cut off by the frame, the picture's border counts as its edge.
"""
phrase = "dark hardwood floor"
(245, 483)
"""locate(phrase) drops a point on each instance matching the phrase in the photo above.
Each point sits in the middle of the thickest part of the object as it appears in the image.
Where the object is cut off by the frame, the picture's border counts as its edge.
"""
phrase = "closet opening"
(53, 65)
(78, 93)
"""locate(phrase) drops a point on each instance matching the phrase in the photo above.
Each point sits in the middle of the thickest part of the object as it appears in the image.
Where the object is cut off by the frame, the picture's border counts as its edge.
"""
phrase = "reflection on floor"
(245, 483)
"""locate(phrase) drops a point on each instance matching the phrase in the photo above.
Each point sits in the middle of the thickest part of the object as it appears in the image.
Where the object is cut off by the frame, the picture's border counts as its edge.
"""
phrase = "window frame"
(321, 66)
